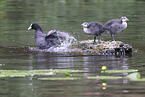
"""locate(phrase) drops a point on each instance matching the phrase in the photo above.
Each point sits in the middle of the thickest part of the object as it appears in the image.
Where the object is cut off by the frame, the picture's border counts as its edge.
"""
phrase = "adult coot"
(115, 26)
(45, 41)
(93, 28)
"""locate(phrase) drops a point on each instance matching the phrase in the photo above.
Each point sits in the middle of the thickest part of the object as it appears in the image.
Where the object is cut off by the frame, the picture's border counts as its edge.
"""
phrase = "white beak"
(29, 28)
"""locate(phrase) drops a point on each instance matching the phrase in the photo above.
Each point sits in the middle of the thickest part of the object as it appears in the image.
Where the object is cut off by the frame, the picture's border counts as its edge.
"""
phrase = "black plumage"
(45, 41)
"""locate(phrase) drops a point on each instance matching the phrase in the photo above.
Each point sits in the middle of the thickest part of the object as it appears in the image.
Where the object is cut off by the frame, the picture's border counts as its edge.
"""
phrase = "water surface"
(67, 16)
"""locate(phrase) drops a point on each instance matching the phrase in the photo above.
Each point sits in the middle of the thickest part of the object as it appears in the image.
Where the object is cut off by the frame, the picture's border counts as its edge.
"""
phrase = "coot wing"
(110, 22)
(52, 38)
(116, 28)
(95, 24)
(95, 27)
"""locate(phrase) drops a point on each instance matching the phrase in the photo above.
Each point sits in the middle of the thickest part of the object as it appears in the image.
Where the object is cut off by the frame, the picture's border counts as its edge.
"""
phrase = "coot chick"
(45, 41)
(114, 26)
(93, 28)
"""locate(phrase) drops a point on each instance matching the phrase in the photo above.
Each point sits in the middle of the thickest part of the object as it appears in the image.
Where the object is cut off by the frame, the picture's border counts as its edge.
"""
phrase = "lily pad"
(105, 77)
(23, 73)
(120, 71)
(135, 75)
(141, 80)
(60, 78)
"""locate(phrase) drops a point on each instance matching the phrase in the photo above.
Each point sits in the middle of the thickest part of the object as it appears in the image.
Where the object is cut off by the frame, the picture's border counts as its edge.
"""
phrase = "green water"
(67, 16)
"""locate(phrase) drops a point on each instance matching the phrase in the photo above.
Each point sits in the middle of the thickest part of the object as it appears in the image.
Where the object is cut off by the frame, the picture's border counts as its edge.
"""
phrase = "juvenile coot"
(93, 28)
(115, 26)
(44, 41)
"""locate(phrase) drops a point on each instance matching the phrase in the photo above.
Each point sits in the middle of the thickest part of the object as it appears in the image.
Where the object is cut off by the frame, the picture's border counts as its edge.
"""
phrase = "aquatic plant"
(69, 74)
(24, 73)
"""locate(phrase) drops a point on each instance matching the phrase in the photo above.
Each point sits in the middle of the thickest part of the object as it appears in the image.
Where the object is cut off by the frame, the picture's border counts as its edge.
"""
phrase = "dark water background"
(67, 16)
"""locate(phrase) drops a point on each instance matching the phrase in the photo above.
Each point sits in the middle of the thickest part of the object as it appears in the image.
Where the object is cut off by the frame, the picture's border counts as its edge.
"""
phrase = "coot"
(45, 41)
(115, 26)
(93, 28)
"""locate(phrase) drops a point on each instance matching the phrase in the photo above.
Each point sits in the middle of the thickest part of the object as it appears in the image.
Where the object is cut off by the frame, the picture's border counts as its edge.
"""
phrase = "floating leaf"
(120, 71)
(135, 75)
(66, 74)
(60, 78)
(105, 77)
(142, 80)
(23, 73)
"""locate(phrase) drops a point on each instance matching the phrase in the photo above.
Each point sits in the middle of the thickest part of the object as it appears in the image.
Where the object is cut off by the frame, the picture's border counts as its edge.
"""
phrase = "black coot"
(45, 41)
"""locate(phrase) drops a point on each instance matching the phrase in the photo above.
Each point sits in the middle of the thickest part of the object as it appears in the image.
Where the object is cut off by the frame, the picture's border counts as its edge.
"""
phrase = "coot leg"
(94, 40)
(98, 39)
(112, 37)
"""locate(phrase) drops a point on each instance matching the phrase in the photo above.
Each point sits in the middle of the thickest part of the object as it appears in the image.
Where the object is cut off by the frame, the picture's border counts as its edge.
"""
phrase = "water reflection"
(43, 60)
(49, 60)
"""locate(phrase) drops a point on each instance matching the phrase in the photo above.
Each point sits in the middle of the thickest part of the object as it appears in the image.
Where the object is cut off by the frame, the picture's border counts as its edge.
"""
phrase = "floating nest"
(103, 48)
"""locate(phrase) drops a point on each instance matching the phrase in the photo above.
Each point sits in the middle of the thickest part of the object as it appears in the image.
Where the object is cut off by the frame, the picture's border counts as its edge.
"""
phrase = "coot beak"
(29, 28)
(127, 19)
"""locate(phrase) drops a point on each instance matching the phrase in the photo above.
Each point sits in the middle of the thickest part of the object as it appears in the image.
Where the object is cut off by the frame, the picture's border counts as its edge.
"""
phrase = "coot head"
(34, 26)
(124, 19)
(85, 24)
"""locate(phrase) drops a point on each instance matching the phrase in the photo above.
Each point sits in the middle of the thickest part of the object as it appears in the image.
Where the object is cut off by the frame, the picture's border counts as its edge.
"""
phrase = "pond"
(67, 16)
